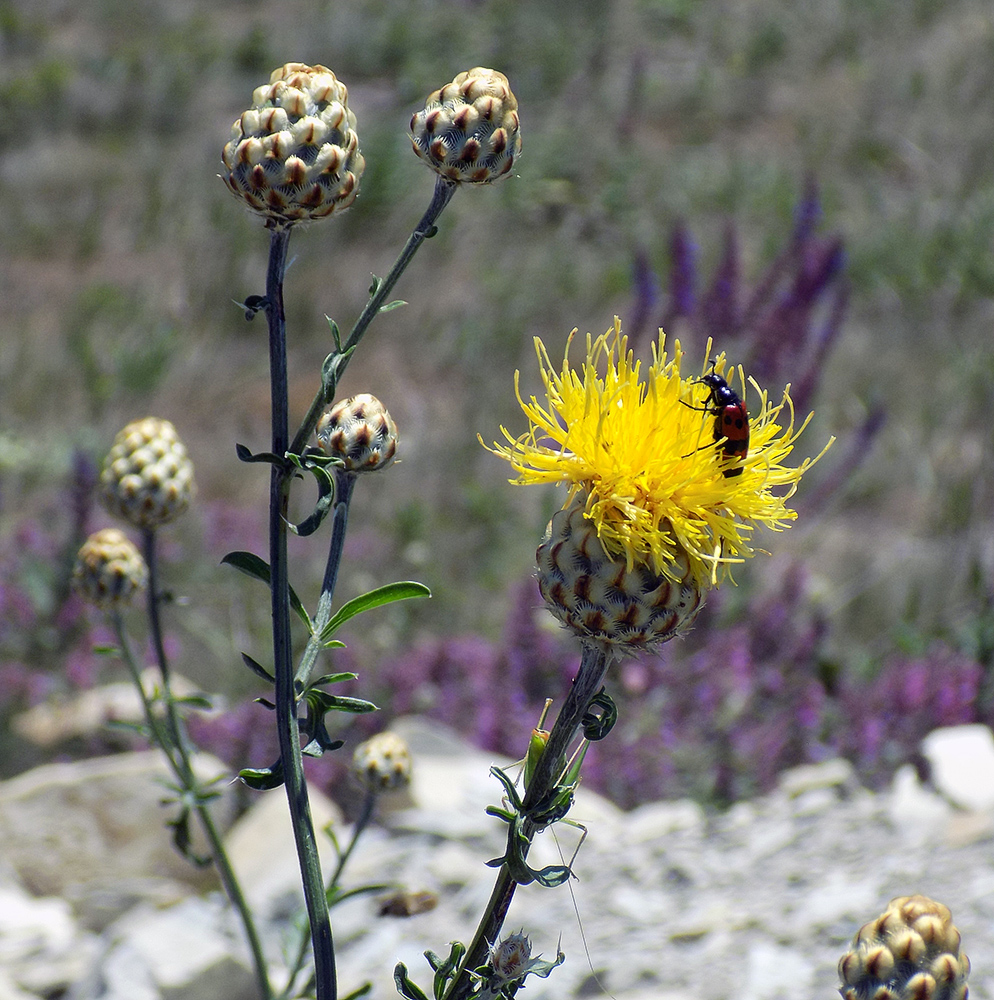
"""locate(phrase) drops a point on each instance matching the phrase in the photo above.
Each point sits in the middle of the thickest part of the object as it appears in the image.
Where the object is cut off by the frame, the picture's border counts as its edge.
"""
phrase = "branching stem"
(442, 195)
(593, 665)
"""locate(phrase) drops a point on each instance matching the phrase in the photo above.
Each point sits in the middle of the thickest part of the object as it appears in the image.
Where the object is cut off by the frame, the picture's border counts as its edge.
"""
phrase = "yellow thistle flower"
(644, 455)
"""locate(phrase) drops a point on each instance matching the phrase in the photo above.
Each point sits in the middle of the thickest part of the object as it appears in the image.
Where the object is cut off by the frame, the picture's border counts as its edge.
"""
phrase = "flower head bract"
(643, 452)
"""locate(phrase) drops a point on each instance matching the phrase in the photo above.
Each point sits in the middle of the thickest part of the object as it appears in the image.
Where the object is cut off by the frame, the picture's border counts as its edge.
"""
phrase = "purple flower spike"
(820, 265)
(647, 296)
(807, 214)
(683, 275)
(720, 311)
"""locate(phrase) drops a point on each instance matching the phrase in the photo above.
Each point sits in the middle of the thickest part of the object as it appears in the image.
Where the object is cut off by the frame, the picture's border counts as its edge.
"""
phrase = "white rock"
(179, 953)
(917, 812)
(9, 990)
(837, 898)
(263, 853)
(962, 762)
(451, 784)
(655, 820)
(808, 777)
(88, 712)
(41, 947)
(123, 974)
(95, 829)
(774, 972)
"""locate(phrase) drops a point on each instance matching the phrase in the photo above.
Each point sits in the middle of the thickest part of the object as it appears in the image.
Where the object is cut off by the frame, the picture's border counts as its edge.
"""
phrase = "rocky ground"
(757, 903)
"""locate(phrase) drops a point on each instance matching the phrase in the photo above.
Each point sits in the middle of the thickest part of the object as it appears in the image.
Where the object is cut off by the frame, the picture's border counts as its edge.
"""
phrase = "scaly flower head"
(642, 453)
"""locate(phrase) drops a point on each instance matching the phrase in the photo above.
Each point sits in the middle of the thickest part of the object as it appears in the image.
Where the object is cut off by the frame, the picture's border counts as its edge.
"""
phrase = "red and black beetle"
(731, 419)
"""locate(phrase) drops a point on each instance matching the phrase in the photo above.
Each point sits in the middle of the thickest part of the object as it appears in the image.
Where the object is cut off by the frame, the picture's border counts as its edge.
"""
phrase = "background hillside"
(122, 255)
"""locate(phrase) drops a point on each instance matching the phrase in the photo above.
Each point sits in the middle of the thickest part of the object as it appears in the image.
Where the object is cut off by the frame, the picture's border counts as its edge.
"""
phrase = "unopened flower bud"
(509, 959)
(147, 478)
(468, 130)
(294, 155)
(910, 952)
(360, 432)
(382, 763)
(109, 570)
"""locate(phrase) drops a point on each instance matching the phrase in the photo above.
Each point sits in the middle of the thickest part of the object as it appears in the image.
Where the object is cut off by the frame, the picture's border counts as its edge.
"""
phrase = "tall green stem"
(286, 696)
(442, 195)
(593, 665)
(343, 858)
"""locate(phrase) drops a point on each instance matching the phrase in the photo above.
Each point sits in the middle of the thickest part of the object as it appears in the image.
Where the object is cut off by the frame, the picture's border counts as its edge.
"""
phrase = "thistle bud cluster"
(468, 130)
(110, 571)
(910, 952)
(294, 155)
(382, 763)
(147, 478)
(360, 433)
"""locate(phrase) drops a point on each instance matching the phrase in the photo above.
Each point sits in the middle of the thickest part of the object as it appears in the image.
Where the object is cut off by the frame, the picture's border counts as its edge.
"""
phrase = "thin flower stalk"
(173, 742)
(344, 488)
(286, 700)
(441, 196)
(590, 676)
(300, 952)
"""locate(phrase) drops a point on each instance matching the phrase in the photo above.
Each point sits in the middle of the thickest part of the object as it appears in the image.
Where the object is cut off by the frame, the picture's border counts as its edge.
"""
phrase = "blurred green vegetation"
(122, 257)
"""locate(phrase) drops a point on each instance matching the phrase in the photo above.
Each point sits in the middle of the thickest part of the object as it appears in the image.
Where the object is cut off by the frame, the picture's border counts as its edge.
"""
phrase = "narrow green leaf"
(248, 563)
(335, 334)
(326, 702)
(329, 831)
(131, 727)
(405, 987)
(195, 701)
(245, 455)
(334, 678)
(444, 971)
(254, 566)
(257, 668)
(336, 896)
(400, 591)
(333, 644)
(326, 497)
(390, 306)
(331, 369)
(363, 991)
(357, 706)
(183, 842)
(107, 650)
(263, 778)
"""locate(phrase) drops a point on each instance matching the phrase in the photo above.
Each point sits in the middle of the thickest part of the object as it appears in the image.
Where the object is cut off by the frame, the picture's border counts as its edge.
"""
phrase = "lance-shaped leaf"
(345, 675)
(183, 842)
(400, 591)
(405, 986)
(445, 970)
(357, 994)
(245, 455)
(263, 778)
(331, 369)
(257, 668)
(252, 565)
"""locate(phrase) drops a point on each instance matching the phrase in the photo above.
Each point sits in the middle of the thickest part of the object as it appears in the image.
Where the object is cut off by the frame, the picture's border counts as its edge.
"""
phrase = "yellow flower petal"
(644, 453)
